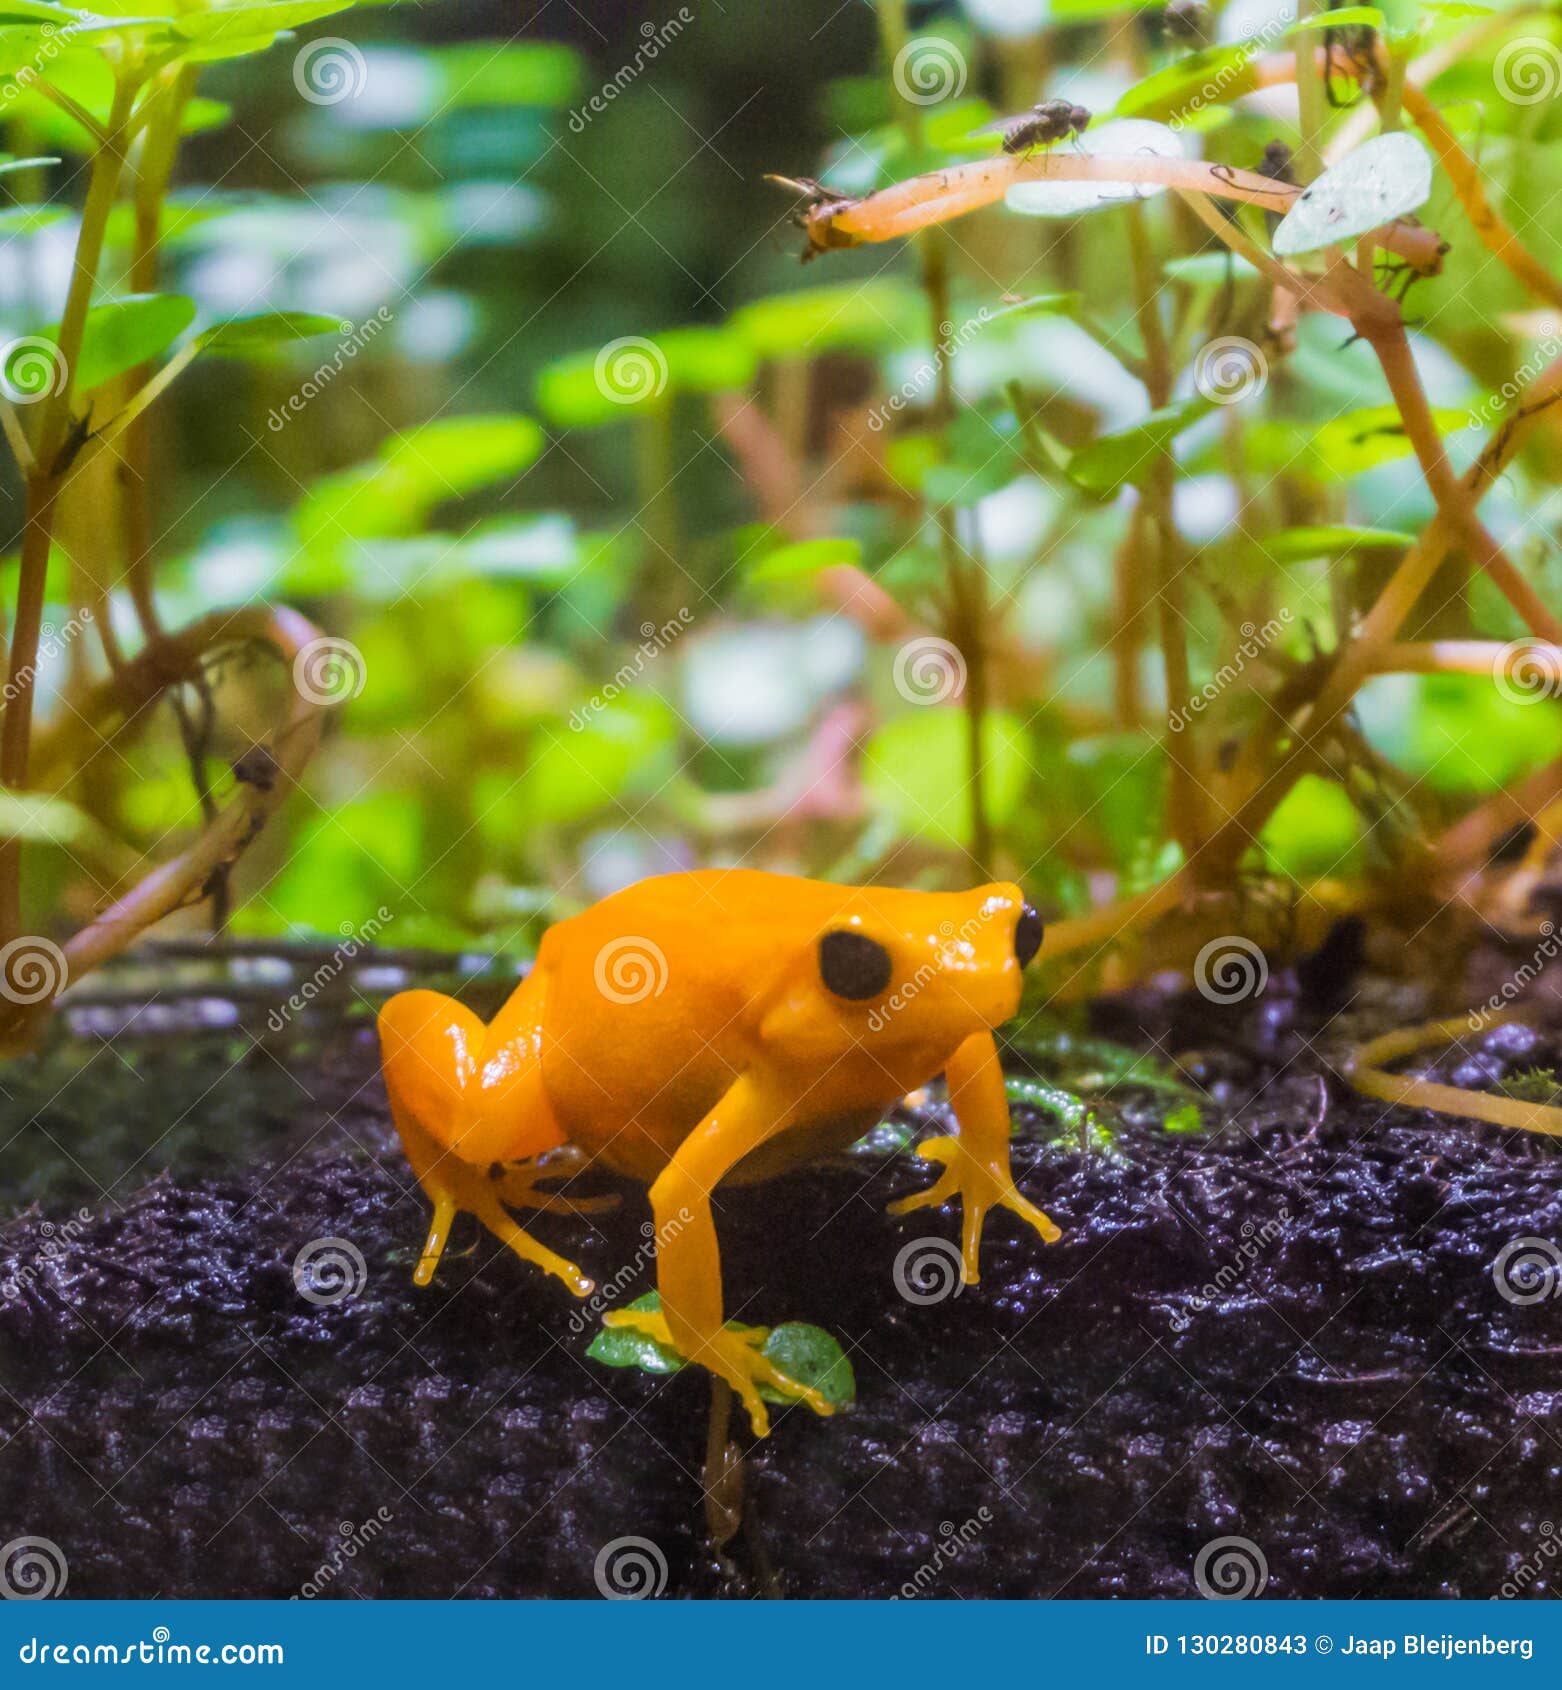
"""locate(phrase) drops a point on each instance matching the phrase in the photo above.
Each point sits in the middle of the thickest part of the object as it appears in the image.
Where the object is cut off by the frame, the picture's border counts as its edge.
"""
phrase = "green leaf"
(611, 749)
(808, 1353)
(916, 767)
(227, 24)
(1038, 305)
(803, 561)
(1461, 734)
(1203, 269)
(123, 333)
(874, 316)
(1297, 545)
(1170, 91)
(622, 1346)
(1111, 462)
(242, 335)
(1341, 17)
(1315, 830)
(1384, 178)
(813, 1358)
(634, 372)
(413, 473)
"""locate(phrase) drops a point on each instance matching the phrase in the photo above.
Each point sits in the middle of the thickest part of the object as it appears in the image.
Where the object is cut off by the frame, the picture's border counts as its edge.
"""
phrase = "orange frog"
(711, 1026)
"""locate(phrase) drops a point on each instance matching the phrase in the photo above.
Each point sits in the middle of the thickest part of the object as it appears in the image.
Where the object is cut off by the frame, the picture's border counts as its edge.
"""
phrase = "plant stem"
(964, 576)
(1312, 71)
(1171, 613)
(43, 487)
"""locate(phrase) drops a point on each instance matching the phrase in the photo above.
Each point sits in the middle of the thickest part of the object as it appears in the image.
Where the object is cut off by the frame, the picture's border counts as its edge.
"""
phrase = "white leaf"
(1384, 178)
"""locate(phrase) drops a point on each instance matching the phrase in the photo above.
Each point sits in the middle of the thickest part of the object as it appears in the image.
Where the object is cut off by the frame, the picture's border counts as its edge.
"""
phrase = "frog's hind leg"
(463, 1096)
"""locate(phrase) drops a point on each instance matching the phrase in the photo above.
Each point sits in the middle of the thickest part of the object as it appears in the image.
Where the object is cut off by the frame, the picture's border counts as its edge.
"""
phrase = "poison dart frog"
(711, 1026)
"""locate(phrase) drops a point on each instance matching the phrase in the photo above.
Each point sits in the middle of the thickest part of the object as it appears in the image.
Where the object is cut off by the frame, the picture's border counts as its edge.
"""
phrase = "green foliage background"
(586, 653)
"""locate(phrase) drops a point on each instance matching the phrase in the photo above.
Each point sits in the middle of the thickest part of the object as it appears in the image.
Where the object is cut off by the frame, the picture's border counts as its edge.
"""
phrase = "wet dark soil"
(1287, 1330)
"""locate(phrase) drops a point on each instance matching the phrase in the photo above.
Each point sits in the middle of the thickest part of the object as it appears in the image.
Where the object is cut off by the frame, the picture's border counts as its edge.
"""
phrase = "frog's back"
(653, 1001)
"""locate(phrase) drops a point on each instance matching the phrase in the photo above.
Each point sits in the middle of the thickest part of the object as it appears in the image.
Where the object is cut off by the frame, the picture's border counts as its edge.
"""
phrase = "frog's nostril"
(1027, 935)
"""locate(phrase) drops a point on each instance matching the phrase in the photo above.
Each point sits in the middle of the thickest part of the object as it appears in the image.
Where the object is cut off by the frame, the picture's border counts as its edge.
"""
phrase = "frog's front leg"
(465, 1095)
(976, 1164)
(688, 1260)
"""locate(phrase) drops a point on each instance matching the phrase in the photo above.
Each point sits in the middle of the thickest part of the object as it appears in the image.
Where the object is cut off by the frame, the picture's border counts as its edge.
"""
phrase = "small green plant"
(808, 1353)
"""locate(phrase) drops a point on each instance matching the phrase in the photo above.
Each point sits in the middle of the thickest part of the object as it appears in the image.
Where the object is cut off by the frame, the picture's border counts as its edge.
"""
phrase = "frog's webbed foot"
(456, 1188)
(733, 1354)
(516, 1183)
(980, 1185)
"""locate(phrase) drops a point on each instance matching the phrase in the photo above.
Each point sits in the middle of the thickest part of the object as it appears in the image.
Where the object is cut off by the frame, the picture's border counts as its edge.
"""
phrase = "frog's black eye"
(853, 966)
(1027, 935)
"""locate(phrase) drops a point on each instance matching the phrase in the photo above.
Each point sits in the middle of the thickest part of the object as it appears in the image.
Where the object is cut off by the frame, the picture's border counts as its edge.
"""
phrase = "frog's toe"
(519, 1184)
(734, 1354)
(445, 1211)
(980, 1186)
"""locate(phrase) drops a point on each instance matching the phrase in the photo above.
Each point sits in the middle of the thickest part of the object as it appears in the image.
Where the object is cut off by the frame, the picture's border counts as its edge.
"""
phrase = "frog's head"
(907, 971)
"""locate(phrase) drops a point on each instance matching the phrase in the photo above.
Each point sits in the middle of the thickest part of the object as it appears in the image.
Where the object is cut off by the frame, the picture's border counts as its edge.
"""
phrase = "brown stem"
(722, 1480)
(289, 749)
(1181, 751)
